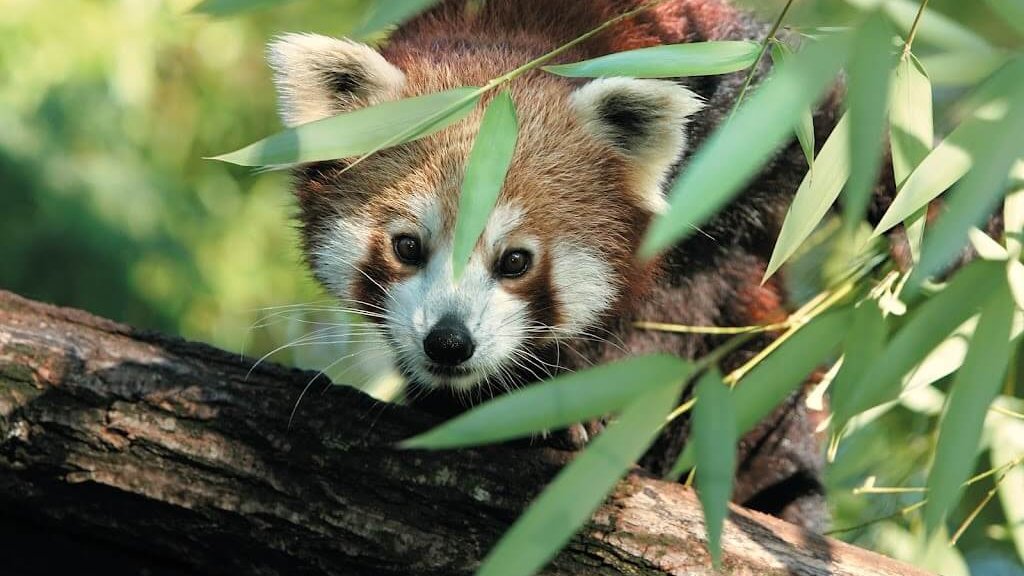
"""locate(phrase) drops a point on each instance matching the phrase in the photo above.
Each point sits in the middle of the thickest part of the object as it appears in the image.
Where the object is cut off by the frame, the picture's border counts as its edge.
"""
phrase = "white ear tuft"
(645, 119)
(319, 76)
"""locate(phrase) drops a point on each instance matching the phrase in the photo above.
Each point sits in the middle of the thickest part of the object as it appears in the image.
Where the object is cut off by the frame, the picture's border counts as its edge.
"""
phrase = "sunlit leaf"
(731, 156)
(911, 134)
(985, 246)
(779, 374)
(962, 68)
(557, 403)
(805, 127)
(229, 7)
(952, 158)
(668, 61)
(869, 69)
(978, 194)
(862, 345)
(1006, 447)
(925, 328)
(714, 440)
(384, 13)
(934, 28)
(358, 132)
(580, 488)
(485, 174)
(816, 194)
(1011, 13)
(974, 388)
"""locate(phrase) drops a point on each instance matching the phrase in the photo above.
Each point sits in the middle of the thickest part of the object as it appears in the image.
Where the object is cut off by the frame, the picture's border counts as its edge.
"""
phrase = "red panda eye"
(408, 250)
(514, 263)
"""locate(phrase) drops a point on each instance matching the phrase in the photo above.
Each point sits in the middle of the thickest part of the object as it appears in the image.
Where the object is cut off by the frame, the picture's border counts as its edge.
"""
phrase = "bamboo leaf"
(384, 13)
(1006, 447)
(714, 440)
(974, 388)
(779, 374)
(863, 344)
(911, 134)
(816, 194)
(580, 488)
(870, 67)
(962, 67)
(557, 403)
(934, 28)
(978, 194)
(229, 7)
(953, 158)
(731, 157)
(485, 174)
(359, 131)
(668, 61)
(805, 127)
(924, 329)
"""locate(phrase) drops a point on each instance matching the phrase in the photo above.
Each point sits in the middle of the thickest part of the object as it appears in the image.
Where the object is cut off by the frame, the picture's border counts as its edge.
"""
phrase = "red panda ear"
(319, 76)
(644, 119)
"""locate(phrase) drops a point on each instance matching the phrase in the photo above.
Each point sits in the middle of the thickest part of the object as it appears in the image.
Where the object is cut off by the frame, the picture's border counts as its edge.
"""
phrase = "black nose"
(448, 343)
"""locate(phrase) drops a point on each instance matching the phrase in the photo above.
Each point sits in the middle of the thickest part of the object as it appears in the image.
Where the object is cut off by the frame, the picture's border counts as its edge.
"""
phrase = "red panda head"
(557, 256)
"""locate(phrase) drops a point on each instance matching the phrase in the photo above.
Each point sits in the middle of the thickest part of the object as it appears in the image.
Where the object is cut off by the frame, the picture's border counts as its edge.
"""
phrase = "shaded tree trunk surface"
(128, 452)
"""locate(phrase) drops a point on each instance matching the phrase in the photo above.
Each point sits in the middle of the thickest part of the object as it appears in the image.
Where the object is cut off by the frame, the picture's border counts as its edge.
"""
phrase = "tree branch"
(122, 450)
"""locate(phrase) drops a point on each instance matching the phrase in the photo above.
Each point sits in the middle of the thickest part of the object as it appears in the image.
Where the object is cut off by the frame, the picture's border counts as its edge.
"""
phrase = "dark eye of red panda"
(408, 249)
(514, 263)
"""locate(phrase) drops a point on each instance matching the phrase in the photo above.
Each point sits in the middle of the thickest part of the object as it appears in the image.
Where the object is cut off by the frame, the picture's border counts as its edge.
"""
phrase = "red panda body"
(553, 284)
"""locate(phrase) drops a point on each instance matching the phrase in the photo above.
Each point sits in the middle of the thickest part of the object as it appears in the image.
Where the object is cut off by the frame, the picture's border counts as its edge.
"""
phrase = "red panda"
(553, 284)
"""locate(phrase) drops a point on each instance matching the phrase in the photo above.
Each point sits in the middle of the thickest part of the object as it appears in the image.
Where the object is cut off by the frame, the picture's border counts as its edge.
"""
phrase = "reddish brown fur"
(577, 187)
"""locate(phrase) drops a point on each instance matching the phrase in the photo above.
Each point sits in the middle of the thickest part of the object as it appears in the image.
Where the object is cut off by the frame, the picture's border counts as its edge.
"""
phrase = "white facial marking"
(582, 286)
(494, 317)
(342, 250)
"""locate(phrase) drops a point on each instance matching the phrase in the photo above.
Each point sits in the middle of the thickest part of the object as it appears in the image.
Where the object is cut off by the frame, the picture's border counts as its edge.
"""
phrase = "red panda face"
(556, 258)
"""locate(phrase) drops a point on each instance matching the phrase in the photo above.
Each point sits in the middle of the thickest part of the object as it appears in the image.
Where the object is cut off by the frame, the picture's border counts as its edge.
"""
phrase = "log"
(128, 452)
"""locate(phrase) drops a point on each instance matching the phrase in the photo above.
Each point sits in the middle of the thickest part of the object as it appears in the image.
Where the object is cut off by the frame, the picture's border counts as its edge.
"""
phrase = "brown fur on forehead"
(562, 20)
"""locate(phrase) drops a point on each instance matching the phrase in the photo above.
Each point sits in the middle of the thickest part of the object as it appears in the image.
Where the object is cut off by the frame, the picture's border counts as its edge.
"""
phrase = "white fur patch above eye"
(318, 76)
(645, 119)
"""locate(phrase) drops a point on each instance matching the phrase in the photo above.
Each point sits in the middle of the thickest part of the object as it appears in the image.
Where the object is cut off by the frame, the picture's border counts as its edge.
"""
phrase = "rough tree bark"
(126, 452)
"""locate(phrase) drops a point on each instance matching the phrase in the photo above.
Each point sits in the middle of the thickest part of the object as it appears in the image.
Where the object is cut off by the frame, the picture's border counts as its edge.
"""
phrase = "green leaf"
(863, 344)
(779, 374)
(669, 61)
(805, 127)
(557, 403)
(1011, 12)
(952, 158)
(359, 131)
(485, 174)
(732, 156)
(580, 488)
(910, 136)
(714, 440)
(229, 7)
(962, 68)
(871, 63)
(816, 194)
(974, 388)
(1006, 447)
(384, 13)
(934, 28)
(925, 329)
(978, 194)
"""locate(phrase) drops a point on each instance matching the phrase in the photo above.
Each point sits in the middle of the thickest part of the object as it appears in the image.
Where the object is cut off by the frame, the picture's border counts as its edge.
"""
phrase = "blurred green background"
(107, 108)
